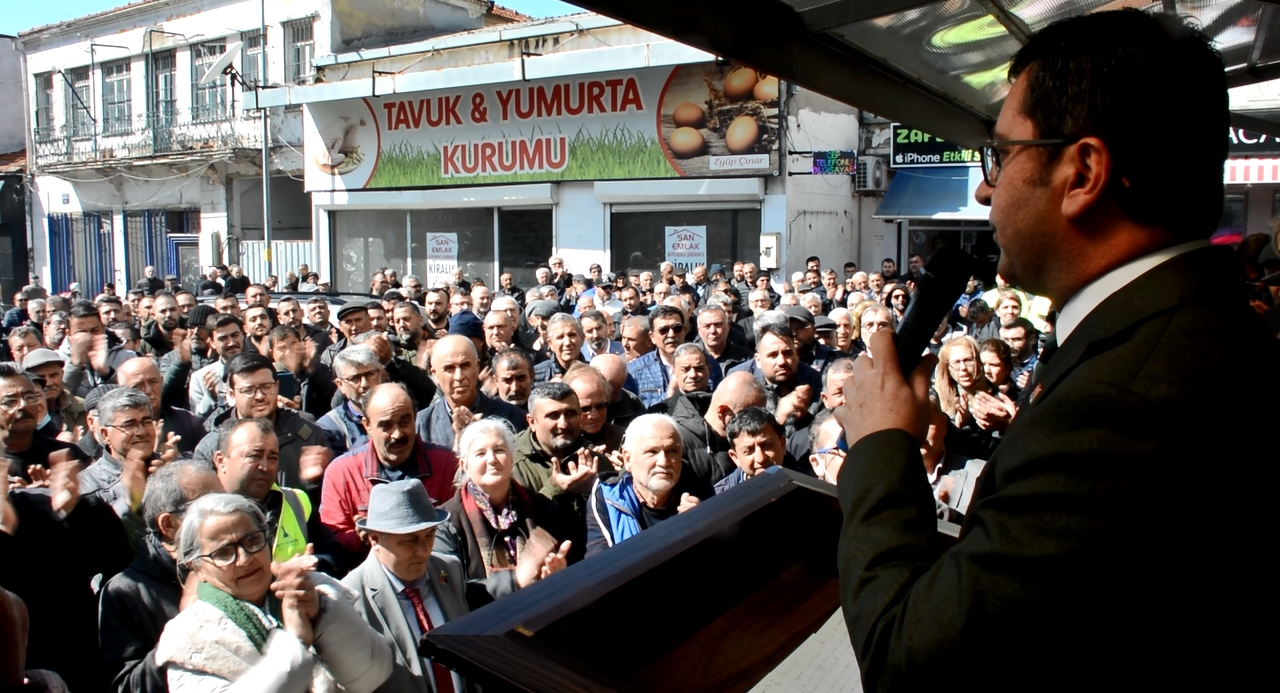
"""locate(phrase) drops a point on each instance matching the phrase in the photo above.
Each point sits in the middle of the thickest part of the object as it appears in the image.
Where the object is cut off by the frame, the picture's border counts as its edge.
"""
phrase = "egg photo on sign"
(720, 120)
(342, 142)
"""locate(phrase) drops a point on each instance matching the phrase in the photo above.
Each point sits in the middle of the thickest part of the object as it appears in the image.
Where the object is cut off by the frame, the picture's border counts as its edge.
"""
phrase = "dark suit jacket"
(1112, 541)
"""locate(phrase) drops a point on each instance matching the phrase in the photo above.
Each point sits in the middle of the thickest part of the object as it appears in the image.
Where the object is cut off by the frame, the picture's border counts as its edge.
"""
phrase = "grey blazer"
(376, 601)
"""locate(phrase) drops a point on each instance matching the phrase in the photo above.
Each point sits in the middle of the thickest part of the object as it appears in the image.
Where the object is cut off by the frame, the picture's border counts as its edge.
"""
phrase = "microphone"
(943, 280)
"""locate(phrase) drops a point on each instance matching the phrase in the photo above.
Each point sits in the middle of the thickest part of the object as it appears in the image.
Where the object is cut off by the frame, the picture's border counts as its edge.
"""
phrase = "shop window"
(638, 239)
(1232, 213)
(474, 228)
(364, 241)
(524, 242)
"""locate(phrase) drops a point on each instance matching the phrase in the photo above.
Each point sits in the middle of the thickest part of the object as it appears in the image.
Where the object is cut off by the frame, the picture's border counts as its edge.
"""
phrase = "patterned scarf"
(504, 527)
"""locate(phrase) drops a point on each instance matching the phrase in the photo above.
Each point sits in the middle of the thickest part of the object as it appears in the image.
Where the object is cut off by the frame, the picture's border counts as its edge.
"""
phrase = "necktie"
(444, 679)
(1037, 371)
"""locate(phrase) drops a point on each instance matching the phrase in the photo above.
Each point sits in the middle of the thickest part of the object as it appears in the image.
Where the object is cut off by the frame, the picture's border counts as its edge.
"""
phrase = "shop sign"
(909, 147)
(834, 163)
(692, 120)
(687, 246)
(442, 257)
(1241, 141)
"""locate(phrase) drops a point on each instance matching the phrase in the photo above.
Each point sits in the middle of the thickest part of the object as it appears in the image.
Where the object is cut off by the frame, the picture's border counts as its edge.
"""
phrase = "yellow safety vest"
(291, 532)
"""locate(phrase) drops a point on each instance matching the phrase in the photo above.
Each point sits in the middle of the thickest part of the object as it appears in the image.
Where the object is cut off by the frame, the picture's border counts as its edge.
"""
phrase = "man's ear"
(819, 469)
(168, 525)
(219, 461)
(1090, 167)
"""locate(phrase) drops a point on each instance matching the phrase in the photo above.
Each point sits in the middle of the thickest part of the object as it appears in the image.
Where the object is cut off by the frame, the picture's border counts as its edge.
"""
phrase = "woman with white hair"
(240, 634)
(499, 530)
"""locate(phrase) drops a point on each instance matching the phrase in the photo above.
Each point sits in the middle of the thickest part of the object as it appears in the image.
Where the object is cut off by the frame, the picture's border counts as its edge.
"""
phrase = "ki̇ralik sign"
(909, 147)
(701, 120)
(442, 257)
(687, 246)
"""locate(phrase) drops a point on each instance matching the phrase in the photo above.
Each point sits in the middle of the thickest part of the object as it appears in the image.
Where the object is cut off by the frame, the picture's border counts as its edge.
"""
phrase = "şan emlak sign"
(692, 120)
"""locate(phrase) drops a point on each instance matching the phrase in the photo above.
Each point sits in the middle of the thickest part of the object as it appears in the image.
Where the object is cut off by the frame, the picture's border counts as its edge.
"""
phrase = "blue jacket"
(435, 423)
(13, 318)
(343, 429)
(652, 379)
(735, 477)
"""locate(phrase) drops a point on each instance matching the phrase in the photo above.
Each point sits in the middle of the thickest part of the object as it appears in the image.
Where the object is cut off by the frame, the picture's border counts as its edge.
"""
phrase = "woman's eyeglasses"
(227, 554)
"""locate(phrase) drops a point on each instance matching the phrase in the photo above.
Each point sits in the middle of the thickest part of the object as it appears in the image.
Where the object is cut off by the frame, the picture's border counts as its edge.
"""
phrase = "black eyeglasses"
(227, 554)
(990, 154)
(677, 328)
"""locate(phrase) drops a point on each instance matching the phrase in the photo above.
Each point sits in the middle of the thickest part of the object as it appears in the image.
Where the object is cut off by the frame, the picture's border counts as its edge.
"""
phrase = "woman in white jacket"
(256, 626)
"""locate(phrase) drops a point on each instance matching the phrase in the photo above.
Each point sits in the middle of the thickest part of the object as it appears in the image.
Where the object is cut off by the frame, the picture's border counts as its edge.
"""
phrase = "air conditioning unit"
(872, 174)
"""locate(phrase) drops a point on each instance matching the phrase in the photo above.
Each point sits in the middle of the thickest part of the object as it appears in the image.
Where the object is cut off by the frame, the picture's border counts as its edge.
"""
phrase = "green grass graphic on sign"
(612, 154)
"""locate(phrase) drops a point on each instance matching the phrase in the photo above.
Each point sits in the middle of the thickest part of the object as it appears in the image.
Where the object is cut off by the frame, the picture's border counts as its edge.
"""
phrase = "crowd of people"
(258, 479)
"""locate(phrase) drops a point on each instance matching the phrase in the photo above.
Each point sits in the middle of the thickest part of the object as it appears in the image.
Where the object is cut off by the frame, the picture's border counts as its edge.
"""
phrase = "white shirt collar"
(1091, 296)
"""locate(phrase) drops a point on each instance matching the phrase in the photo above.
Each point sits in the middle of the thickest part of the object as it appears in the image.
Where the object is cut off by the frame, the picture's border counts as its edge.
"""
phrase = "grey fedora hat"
(400, 507)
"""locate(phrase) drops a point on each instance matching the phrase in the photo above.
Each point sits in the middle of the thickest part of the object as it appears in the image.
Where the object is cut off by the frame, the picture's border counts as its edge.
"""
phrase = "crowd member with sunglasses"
(276, 626)
(653, 371)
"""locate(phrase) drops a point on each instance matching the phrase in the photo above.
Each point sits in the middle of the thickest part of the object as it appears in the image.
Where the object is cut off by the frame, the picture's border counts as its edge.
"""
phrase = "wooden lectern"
(711, 600)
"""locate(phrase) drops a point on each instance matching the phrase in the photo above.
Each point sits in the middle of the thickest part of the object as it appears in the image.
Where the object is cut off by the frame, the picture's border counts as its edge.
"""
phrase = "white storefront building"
(577, 136)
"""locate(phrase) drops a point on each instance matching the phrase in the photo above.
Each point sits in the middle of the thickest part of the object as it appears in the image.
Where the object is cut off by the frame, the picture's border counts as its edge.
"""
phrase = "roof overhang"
(938, 66)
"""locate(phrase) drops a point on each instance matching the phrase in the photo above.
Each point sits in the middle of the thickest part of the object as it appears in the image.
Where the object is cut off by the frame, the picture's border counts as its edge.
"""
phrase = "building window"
(637, 240)
(251, 58)
(44, 106)
(299, 51)
(78, 98)
(161, 94)
(208, 101)
(117, 111)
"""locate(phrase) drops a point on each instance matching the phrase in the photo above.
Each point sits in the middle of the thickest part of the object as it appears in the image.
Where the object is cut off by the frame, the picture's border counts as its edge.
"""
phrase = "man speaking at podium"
(1118, 535)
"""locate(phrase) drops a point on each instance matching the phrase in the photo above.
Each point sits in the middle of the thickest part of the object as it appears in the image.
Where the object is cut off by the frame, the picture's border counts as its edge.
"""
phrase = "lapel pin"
(444, 578)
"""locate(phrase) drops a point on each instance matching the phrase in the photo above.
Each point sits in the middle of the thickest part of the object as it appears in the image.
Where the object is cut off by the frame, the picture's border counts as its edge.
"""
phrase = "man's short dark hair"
(555, 391)
(1024, 323)
(280, 332)
(165, 292)
(752, 421)
(84, 309)
(10, 369)
(230, 426)
(852, 264)
(813, 258)
(257, 286)
(1117, 76)
(130, 330)
(664, 313)
(131, 293)
(593, 315)
(780, 330)
(630, 288)
(513, 355)
(218, 321)
(248, 363)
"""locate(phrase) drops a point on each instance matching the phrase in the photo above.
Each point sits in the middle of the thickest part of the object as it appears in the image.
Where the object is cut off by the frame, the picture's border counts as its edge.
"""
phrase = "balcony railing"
(142, 137)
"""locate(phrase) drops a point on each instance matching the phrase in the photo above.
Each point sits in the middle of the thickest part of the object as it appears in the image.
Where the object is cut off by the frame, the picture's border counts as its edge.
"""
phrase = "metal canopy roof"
(939, 66)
